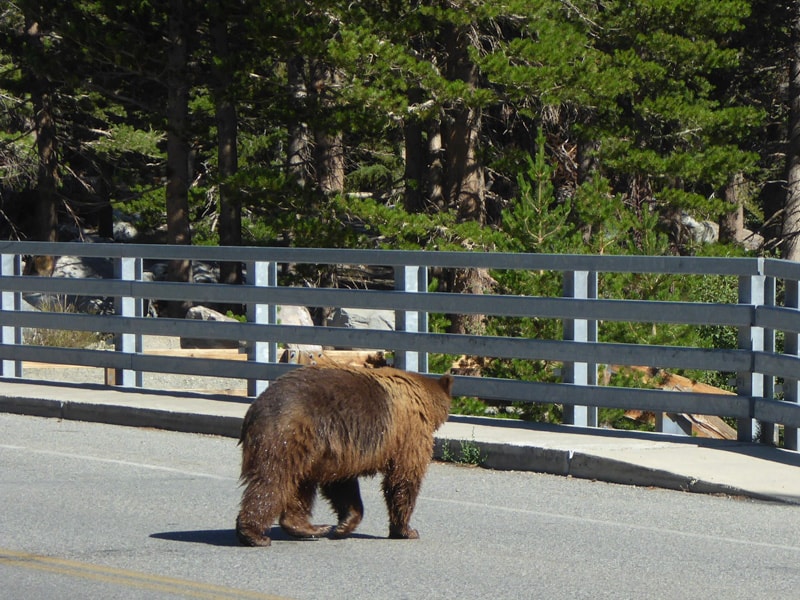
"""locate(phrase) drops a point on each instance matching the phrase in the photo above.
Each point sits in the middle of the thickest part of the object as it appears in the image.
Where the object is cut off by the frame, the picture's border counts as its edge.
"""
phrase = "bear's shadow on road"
(227, 537)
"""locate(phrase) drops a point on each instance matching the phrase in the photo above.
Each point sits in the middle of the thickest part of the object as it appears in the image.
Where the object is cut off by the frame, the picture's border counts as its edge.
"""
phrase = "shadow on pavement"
(227, 537)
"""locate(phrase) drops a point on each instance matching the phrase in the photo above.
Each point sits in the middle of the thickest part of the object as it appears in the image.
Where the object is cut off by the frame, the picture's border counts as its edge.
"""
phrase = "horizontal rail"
(505, 306)
(492, 346)
(395, 258)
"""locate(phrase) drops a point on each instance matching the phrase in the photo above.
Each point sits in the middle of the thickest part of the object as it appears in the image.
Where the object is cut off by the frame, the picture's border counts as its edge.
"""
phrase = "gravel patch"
(158, 381)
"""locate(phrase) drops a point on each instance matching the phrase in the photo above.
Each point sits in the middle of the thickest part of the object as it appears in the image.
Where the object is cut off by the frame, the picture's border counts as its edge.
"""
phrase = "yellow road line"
(124, 577)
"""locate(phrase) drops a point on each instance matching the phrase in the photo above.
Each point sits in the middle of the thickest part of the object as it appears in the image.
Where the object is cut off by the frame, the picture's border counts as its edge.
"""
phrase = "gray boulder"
(206, 314)
(297, 315)
(362, 318)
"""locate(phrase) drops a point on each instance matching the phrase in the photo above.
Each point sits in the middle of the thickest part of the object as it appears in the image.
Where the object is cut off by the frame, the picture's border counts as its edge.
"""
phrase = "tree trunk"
(47, 177)
(465, 181)
(328, 143)
(415, 159)
(464, 178)
(329, 161)
(45, 129)
(230, 209)
(297, 160)
(586, 160)
(436, 167)
(177, 192)
(731, 225)
(791, 216)
(586, 169)
(466, 192)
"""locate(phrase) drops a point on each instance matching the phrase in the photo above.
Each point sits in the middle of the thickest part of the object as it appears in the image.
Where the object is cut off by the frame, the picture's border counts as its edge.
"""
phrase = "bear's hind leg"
(400, 490)
(345, 498)
(295, 519)
(258, 511)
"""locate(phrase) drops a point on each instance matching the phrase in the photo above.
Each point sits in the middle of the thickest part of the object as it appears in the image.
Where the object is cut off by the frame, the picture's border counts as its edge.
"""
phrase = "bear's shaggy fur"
(326, 426)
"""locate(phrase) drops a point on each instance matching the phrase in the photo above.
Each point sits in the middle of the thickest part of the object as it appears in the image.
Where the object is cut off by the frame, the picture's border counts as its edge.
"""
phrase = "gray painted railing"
(756, 316)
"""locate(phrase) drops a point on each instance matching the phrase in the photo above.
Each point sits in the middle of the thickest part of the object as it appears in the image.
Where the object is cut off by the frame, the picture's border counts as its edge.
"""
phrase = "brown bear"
(326, 426)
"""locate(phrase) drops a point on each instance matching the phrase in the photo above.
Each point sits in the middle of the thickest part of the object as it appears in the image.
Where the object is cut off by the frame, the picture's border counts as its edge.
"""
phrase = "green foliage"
(469, 453)
(240, 318)
(715, 290)
(123, 138)
(615, 418)
(537, 222)
(463, 405)
(673, 121)
(646, 82)
(391, 226)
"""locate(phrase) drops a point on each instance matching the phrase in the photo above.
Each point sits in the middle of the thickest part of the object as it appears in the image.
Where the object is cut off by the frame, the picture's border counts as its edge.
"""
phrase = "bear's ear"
(446, 383)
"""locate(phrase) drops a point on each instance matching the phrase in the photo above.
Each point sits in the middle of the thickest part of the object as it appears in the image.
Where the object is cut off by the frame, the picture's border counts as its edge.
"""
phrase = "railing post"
(768, 432)
(127, 268)
(749, 383)
(10, 264)
(411, 279)
(580, 284)
(791, 345)
(262, 275)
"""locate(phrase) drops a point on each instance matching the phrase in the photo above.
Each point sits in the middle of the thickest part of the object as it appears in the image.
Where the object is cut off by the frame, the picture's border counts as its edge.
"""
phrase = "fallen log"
(352, 358)
(705, 426)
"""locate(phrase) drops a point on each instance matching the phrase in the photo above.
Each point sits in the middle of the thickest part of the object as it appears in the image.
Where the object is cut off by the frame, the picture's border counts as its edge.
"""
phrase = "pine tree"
(673, 137)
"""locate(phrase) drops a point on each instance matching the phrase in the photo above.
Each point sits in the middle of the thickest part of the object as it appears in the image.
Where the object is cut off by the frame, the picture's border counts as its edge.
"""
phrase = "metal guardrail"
(756, 316)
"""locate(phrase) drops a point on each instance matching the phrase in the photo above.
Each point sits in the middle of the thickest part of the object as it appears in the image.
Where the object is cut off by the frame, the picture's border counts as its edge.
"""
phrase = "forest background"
(555, 126)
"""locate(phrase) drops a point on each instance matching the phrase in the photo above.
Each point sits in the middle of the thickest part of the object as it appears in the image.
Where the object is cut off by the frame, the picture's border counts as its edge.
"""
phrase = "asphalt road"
(98, 511)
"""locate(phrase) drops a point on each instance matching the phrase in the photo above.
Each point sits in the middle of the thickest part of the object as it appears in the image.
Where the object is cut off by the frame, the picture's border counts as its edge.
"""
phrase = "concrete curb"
(128, 416)
(567, 463)
(586, 466)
